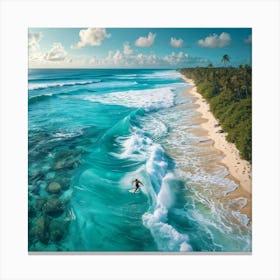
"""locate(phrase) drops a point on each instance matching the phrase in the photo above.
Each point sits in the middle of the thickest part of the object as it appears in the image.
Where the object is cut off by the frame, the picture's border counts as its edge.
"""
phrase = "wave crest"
(150, 99)
(138, 146)
(61, 84)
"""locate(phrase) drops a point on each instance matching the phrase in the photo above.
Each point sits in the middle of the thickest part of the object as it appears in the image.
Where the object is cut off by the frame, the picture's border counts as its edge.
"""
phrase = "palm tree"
(225, 58)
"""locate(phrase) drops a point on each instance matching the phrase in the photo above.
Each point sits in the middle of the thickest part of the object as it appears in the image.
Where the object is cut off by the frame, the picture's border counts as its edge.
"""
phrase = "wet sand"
(239, 170)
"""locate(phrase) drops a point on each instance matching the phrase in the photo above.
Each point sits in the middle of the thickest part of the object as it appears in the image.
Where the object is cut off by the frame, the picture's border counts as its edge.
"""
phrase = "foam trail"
(61, 84)
(150, 99)
(157, 187)
(166, 236)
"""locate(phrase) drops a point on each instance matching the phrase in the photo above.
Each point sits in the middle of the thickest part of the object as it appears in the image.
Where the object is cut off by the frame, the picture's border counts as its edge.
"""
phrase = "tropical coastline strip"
(240, 170)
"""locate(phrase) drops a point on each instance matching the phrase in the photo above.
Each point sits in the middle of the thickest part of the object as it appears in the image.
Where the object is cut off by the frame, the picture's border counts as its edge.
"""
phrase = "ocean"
(91, 133)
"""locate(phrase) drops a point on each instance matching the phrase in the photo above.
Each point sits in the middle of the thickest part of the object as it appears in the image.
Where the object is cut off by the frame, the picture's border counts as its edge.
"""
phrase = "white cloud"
(153, 59)
(91, 37)
(113, 58)
(248, 40)
(176, 43)
(148, 60)
(56, 53)
(34, 40)
(93, 60)
(36, 57)
(215, 41)
(176, 59)
(145, 41)
(127, 49)
(57, 56)
(119, 59)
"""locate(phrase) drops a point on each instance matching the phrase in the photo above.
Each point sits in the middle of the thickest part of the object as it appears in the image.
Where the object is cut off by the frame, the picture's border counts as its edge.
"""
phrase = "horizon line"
(34, 68)
(121, 68)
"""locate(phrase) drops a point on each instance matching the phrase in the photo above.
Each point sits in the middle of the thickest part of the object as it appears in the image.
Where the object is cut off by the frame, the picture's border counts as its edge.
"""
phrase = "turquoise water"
(91, 133)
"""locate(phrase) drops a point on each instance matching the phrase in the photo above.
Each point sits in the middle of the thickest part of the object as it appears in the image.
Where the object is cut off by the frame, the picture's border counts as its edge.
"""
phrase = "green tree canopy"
(229, 93)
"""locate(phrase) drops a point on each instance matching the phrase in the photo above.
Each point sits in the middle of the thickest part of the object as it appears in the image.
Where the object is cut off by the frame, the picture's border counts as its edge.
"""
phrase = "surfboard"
(132, 191)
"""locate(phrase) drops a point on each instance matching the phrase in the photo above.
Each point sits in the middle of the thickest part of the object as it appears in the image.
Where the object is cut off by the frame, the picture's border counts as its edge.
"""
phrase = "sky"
(168, 48)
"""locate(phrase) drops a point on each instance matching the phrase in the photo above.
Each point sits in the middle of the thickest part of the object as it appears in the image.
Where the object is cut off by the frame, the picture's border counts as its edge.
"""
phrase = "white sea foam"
(208, 186)
(156, 126)
(32, 86)
(150, 99)
(156, 165)
(38, 97)
(59, 135)
(126, 77)
(114, 84)
(157, 187)
(242, 218)
(166, 236)
(67, 134)
(135, 145)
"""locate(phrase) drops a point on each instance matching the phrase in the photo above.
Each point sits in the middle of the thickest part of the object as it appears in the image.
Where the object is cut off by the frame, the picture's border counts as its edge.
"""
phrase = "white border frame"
(17, 16)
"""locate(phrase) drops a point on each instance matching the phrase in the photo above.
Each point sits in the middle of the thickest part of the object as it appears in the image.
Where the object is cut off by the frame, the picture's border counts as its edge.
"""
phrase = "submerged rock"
(71, 163)
(34, 189)
(50, 175)
(41, 184)
(77, 152)
(63, 154)
(54, 188)
(31, 211)
(65, 183)
(63, 177)
(36, 176)
(40, 202)
(58, 230)
(40, 229)
(67, 160)
(44, 151)
(59, 165)
(54, 207)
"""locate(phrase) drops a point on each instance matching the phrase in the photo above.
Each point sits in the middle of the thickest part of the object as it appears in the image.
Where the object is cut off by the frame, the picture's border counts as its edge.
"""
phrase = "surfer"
(137, 185)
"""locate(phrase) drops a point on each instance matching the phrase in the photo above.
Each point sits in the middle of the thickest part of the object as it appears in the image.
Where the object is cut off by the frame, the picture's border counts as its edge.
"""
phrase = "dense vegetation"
(229, 93)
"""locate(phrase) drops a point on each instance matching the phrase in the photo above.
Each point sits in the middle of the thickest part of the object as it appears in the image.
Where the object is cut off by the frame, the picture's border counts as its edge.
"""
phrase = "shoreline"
(239, 170)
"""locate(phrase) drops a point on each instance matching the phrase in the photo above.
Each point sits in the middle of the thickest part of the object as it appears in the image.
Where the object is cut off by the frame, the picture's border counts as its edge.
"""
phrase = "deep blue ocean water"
(91, 133)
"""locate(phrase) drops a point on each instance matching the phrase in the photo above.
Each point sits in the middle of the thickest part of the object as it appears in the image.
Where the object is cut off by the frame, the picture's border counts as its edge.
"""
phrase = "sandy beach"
(239, 169)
